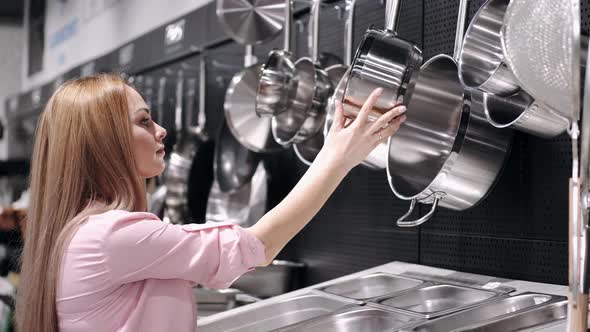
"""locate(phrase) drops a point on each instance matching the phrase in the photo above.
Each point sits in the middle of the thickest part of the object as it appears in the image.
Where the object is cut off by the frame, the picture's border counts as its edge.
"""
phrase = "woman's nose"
(161, 132)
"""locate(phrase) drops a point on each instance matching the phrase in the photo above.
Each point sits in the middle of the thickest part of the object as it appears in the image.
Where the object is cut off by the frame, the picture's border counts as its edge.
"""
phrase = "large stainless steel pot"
(481, 60)
(251, 21)
(277, 83)
(249, 129)
(446, 152)
(383, 60)
(305, 116)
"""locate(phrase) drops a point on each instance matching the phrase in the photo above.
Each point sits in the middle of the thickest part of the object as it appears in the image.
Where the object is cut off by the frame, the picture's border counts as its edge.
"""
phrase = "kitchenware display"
(234, 163)
(189, 174)
(307, 150)
(445, 152)
(481, 60)
(306, 113)
(383, 60)
(249, 129)
(251, 21)
(277, 83)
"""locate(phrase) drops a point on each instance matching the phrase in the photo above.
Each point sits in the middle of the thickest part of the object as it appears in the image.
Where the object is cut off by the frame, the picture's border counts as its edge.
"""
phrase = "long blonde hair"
(82, 164)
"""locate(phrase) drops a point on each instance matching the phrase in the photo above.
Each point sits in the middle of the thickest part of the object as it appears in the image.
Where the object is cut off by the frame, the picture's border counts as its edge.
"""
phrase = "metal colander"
(541, 41)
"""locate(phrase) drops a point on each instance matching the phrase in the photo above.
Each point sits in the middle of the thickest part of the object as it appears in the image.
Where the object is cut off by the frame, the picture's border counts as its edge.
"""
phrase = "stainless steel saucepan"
(248, 128)
(383, 60)
(277, 84)
(446, 152)
(481, 60)
(306, 113)
(251, 21)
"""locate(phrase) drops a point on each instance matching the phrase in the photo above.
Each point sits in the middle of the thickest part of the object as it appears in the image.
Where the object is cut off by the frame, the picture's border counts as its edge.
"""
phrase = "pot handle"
(401, 222)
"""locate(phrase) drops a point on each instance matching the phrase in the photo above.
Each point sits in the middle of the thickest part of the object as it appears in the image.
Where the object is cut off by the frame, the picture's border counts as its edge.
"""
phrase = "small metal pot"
(522, 112)
(277, 83)
(481, 60)
(248, 128)
(383, 60)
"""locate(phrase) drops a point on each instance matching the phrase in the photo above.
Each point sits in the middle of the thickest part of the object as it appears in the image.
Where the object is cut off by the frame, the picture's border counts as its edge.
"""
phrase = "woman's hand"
(348, 144)
(345, 147)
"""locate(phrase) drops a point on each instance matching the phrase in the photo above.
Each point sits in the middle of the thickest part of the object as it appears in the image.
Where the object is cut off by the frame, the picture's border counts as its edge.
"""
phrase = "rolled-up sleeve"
(213, 254)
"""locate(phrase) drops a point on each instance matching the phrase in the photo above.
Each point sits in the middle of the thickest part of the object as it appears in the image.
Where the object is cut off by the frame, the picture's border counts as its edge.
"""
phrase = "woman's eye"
(145, 121)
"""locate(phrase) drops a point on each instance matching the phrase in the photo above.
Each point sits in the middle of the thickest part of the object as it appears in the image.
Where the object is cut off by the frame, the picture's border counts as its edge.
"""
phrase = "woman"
(93, 260)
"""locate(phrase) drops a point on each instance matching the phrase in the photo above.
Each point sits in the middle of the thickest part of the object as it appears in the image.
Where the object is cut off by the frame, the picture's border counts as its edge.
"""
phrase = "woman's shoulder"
(99, 226)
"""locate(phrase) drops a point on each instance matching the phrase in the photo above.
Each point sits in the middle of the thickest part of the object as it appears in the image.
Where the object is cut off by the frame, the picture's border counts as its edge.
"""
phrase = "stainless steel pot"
(277, 83)
(248, 128)
(481, 60)
(383, 60)
(251, 21)
(446, 152)
(522, 112)
(305, 117)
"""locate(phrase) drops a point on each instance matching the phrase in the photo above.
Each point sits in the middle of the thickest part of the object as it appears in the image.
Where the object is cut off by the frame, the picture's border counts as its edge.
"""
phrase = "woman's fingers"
(383, 134)
(338, 122)
(385, 119)
(363, 115)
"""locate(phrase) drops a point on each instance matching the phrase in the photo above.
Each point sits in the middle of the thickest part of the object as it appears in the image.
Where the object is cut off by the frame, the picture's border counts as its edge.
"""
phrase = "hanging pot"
(445, 152)
(383, 60)
(481, 60)
(248, 128)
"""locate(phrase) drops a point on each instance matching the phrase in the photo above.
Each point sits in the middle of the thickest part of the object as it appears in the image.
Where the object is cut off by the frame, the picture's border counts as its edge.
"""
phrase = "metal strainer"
(541, 41)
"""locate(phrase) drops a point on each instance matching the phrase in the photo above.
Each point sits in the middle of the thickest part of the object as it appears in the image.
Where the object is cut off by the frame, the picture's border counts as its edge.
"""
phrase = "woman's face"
(147, 137)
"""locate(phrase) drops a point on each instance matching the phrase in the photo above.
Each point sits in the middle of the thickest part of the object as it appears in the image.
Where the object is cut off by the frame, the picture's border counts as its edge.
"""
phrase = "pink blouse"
(128, 271)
